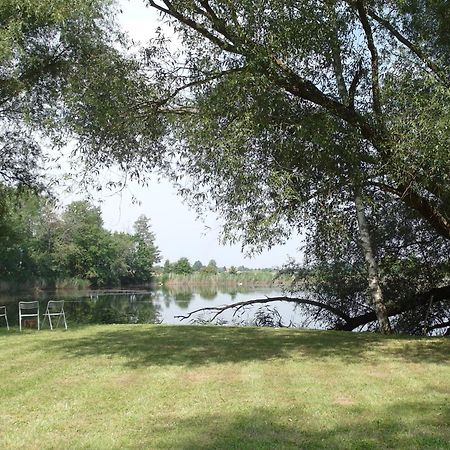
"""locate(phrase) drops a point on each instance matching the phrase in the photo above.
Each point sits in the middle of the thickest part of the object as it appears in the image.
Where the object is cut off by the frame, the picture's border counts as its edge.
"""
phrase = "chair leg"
(20, 322)
(50, 322)
(64, 317)
(7, 324)
(38, 321)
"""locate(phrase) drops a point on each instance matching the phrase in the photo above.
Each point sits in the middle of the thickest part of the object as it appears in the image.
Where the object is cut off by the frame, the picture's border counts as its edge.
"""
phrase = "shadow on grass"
(195, 345)
(418, 425)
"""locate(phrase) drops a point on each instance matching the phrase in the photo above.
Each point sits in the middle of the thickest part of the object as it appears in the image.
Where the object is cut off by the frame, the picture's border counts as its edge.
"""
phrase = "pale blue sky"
(178, 232)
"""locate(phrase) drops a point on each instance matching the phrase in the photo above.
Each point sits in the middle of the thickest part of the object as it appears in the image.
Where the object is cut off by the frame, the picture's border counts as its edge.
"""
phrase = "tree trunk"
(372, 268)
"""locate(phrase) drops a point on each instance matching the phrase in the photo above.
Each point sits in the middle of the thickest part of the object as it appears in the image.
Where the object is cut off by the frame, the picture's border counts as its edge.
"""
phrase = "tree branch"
(376, 91)
(305, 89)
(354, 85)
(218, 23)
(439, 325)
(438, 295)
(282, 75)
(422, 205)
(239, 305)
(164, 100)
(438, 71)
(350, 323)
(337, 58)
(171, 11)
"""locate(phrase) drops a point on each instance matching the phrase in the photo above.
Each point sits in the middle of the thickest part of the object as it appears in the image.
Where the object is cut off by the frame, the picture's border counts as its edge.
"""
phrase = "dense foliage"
(59, 63)
(40, 245)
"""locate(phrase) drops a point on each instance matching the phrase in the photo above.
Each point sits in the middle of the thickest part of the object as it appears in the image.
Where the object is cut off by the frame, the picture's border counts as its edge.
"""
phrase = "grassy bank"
(260, 278)
(162, 387)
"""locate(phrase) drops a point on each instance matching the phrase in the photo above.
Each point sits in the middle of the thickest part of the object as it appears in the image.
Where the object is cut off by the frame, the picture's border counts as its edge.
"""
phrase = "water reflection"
(183, 299)
(139, 306)
(94, 308)
(206, 294)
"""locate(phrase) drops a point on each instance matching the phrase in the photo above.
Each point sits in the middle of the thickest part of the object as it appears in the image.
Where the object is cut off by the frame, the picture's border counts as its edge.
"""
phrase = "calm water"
(145, 306)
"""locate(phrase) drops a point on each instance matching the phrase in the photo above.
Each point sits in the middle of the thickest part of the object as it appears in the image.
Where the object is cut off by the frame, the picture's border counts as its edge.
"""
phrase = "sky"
(178, 231)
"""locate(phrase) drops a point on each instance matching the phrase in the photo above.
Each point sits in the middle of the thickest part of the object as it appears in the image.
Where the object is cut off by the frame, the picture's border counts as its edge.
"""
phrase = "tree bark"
(372, 268)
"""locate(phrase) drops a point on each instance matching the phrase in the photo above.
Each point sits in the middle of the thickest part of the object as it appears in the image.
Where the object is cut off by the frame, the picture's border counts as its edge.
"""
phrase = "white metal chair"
(3, 314)
(30, 309)
(55, 308)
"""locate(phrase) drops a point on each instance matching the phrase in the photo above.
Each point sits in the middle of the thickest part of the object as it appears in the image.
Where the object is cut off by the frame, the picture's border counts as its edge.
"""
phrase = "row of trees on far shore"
(184, 267)
(40, 244)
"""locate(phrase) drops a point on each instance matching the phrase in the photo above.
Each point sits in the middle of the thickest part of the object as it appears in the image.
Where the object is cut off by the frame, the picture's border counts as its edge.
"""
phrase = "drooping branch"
(218, 310)
(13, 87)
(347, 323)
(212, 77)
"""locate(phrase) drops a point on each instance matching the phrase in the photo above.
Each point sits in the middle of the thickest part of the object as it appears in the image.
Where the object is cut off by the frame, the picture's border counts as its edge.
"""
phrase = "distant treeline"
(184, 267)
(44, 247)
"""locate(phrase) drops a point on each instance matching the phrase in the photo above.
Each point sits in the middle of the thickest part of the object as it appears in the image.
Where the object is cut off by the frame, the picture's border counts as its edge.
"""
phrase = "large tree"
(277, 109)
(146, 253)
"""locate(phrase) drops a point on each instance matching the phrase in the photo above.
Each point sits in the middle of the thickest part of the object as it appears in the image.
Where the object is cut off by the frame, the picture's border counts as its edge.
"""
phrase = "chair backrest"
(55, 305)
(2, 310)
(29, 305)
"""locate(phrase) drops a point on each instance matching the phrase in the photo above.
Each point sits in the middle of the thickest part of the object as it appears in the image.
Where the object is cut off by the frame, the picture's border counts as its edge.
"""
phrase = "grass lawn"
(165, 387)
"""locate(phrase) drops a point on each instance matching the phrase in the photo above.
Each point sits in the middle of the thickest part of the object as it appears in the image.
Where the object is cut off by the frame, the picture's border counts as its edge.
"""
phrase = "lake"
(151, 306)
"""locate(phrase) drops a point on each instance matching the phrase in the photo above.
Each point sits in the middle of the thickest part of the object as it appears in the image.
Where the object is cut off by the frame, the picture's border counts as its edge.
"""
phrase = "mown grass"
(184, 387)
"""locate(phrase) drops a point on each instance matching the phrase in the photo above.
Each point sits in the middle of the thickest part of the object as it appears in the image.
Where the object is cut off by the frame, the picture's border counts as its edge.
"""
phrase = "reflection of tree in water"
(208, 294)
(181, 295)
(79, 310)
(182, 299)
(166, 297)
(107, 309)
(233, 292)
(142, 309)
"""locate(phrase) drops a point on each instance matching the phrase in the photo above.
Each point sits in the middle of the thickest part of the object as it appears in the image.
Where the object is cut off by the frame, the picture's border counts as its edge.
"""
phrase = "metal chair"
(55, 308)
(3, 314)
(31, 309)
